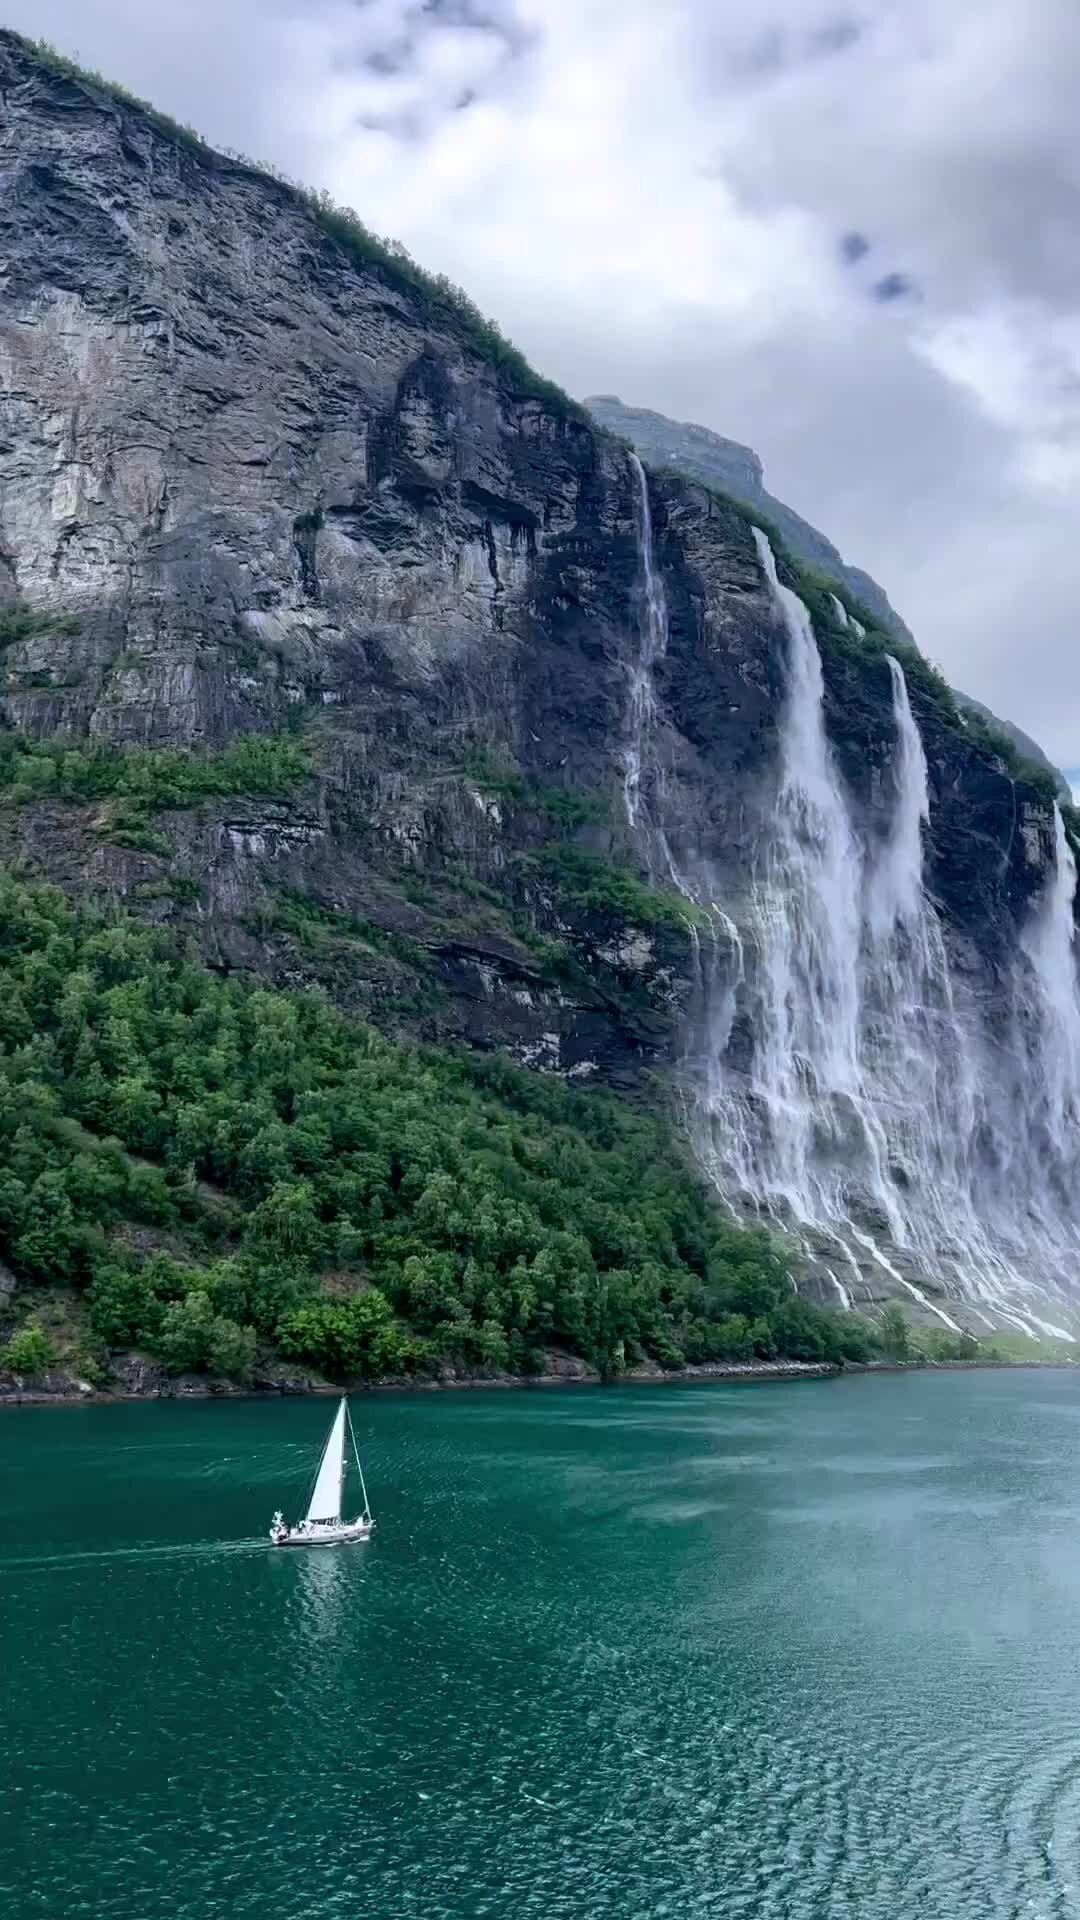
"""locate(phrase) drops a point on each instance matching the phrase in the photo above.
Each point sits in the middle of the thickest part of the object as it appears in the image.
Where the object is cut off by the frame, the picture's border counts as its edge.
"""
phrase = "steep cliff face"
(248, 486)
(261, 492)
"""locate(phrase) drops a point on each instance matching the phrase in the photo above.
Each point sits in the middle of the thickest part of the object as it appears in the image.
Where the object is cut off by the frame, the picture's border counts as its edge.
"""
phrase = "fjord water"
(778, 1652)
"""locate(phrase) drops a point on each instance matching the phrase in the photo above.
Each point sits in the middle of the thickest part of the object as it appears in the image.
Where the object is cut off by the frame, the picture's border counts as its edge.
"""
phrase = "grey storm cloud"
(893, 286)
(846, 235)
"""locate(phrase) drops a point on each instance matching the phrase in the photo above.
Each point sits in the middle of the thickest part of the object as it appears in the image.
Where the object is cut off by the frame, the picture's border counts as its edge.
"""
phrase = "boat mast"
(366, 1515)
(341, 1458)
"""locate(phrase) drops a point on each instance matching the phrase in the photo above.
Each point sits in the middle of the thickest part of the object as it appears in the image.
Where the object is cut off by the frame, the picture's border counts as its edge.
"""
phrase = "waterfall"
(896, 884)
(653, 637)
(795, 1127)
(640, 754)
(846, 1087)
(1044, 1095)
(1049, 943)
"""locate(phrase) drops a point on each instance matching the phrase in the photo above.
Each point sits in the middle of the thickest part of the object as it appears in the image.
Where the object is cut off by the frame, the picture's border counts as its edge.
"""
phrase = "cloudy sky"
(847, 234)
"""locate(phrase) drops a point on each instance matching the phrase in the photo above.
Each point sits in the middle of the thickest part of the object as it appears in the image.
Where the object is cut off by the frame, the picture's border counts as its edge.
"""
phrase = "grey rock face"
(1022, 741)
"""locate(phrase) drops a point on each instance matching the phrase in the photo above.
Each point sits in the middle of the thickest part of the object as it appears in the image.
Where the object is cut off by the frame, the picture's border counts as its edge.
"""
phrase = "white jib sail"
(325, 1503)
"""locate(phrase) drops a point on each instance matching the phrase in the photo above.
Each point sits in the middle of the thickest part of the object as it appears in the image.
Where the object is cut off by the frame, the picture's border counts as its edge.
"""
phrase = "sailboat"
(322, 1525)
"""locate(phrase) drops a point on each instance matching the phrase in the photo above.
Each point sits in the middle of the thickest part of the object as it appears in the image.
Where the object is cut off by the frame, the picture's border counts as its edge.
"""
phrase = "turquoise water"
(788, 1650)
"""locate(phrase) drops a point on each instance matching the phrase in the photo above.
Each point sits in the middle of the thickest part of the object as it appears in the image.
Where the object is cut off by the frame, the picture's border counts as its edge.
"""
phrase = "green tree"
(231, 1349)
(285, 1228)
(187, 1330)
(346, 1337)
(28, 1352)
(46, 1248)
(802, 1331)
(488, 1347)
(938, 1344)
(732, 1338)
(895, 1332)
(762, 1338)
(124, 1309)
(851, 1338)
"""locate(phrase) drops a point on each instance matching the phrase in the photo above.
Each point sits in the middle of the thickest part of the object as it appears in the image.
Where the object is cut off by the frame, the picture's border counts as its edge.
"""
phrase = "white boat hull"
(317, 1535)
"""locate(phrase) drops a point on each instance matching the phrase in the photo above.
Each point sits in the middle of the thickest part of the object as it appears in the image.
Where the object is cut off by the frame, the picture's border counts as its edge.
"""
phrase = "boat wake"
(176, 1550)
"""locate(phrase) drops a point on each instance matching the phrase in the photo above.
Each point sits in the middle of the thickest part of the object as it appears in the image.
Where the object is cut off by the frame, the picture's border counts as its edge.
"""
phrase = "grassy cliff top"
(436, 295)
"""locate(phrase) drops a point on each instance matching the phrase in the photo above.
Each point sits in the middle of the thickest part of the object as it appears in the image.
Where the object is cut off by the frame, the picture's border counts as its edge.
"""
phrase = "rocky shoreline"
(139, 1379)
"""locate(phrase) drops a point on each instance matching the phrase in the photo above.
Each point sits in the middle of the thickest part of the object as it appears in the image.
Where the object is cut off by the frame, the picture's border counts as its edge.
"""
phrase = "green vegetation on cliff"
(612, 891)
(153, 779)
(19, 623)
(220, 1168)
(139, 783)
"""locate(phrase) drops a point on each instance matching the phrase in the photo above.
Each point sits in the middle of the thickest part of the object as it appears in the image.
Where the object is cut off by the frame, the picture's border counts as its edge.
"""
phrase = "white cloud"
(650, 199)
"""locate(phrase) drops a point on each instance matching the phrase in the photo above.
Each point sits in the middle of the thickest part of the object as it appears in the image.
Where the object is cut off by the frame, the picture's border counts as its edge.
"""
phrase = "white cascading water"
(895, 892)
(877, 1116)
(791, 1128)
(645, 813)
(653, 637)
(1047, 1038)
(1050, 944)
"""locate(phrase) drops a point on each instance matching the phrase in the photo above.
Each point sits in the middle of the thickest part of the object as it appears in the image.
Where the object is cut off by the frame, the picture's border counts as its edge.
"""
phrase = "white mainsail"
(325, 1503)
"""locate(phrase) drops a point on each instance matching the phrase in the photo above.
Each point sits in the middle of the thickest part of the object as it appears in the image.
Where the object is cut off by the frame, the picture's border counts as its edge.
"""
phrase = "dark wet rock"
(137, 1374)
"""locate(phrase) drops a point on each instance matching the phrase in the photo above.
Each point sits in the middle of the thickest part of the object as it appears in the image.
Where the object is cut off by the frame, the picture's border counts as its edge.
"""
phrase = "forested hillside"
(221, 1171)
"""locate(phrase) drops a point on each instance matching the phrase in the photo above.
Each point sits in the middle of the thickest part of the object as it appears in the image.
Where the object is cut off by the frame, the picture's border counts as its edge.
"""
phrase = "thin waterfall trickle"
(645, 814)
(653, 638)
(1046, 1047)
(1050, 944)
(895, 892)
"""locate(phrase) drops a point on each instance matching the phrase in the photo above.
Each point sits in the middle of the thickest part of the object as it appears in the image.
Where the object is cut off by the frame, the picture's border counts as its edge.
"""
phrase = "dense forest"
(224, 1171)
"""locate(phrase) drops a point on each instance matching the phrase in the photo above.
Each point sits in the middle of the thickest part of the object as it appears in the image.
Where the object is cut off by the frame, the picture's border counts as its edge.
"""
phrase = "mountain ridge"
(322, 637)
